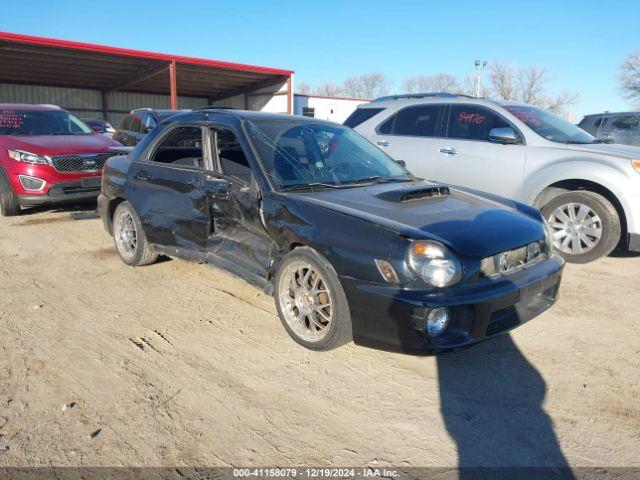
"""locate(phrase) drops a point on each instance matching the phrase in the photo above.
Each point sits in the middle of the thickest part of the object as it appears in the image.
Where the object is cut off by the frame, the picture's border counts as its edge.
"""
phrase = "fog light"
(437, 321)
(31, 183)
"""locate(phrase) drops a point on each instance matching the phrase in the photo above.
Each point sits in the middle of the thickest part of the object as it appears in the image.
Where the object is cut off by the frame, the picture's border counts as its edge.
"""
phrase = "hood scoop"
(411, 194)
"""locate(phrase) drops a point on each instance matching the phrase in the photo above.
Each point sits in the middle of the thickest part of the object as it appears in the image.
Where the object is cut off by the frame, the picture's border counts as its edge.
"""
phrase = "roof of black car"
(247, 114)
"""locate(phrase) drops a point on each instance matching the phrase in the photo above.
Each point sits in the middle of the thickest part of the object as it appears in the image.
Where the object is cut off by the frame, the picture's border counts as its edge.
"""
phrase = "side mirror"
(96, 129)
(505, 135)
(402, 163)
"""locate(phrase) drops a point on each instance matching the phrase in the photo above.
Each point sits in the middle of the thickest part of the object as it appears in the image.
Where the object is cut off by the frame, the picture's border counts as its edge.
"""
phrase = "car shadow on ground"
(624, 254)
(72, 208)
(491, 403)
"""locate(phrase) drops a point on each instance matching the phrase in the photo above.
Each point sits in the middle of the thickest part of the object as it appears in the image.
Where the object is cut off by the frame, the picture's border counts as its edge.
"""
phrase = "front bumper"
(59, 187)
(61, 193)
(634, 242)
(389, 318)
(632, 212)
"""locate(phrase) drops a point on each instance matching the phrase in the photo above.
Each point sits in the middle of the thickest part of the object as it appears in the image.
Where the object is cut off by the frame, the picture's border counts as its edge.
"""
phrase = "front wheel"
(310, 300)
(584, 225)
(9, 205)
(129, 237)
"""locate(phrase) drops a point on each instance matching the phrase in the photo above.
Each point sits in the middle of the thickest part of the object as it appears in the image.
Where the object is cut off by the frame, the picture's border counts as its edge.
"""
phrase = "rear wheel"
(129, 237)
(9, 205)
(311, 302)
(585, 225)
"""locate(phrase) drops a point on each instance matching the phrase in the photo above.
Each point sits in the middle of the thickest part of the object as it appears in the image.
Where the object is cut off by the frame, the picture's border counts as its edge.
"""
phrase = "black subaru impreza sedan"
(351, 244)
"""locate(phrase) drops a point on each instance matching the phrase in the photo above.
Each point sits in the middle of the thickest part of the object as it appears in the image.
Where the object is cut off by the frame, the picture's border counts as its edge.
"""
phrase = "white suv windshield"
(550, 126)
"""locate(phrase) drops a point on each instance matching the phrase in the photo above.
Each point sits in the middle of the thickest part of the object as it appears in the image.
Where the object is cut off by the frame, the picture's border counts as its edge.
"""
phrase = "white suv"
(589, 192)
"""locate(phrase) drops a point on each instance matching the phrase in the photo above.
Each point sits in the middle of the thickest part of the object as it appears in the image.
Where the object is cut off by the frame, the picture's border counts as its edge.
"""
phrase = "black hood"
(470, 223)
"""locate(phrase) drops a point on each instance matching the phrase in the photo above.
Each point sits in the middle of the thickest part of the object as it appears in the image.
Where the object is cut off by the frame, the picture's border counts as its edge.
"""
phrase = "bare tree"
(303, 88)
(559, 103)
(468, 87)
(532, 83)
(630, 77)
(502, 79)
(527, 84)
(370, 85)
(328, 89)
(440, 82)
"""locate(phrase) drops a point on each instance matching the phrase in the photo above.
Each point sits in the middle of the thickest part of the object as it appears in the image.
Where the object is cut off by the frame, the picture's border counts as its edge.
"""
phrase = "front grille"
(510, 261)
(60, 190)
(80, 162)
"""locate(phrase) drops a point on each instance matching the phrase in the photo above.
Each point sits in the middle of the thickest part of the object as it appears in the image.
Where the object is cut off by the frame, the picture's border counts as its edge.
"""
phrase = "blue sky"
(581, 42)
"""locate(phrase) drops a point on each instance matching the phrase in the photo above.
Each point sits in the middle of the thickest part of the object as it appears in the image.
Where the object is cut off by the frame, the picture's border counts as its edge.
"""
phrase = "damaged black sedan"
(351, 245)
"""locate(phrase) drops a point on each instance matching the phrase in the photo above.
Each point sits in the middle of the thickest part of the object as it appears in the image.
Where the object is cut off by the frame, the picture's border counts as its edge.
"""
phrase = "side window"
(148, 122)
(233, 161)
(416, 121)
(125, 122)
(136, 124)
(387, 127)
(469, 122)
(182, 147)
(625, 122)
(361, 115)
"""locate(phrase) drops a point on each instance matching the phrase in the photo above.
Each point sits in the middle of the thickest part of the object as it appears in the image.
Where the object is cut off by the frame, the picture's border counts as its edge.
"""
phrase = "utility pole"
(479, 70)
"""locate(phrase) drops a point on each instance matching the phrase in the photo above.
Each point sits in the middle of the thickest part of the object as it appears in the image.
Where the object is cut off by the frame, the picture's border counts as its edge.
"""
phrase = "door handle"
(449, 151)
(143, 176)
(383, 143)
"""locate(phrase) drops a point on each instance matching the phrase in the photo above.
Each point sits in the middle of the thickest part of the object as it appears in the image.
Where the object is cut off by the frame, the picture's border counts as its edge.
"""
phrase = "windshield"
(41, 122)
(548, 125)
(296, 154)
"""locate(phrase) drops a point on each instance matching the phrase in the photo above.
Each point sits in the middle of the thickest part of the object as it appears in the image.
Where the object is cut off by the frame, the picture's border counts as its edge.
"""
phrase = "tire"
(328, 301)
(601, 216)
(128, 235)
(9, 205)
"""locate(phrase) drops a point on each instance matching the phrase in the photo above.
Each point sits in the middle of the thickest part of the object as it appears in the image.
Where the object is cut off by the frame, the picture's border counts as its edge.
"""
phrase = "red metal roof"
(26, 59)
(127, 52)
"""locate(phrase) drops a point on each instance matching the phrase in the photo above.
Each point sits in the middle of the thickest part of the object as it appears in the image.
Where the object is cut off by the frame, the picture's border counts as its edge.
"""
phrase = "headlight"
(27, 157)
(636, 164)
(434, 263)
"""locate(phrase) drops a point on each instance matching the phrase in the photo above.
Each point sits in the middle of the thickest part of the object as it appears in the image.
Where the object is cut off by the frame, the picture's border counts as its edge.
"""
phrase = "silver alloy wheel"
(576, 228)
(305, 301)
(124, 231)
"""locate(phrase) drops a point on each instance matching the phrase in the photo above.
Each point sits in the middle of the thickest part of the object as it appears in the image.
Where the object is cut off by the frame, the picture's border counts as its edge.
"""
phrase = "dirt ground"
(182, 364)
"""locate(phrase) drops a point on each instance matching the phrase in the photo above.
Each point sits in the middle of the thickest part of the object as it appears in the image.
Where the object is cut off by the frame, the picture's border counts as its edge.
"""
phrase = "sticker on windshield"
(11, 119)
(473, 118)
(528, 117)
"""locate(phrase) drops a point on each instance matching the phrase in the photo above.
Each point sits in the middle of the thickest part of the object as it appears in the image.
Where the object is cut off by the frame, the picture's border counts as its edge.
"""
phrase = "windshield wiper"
(381, 179)
(310, 186)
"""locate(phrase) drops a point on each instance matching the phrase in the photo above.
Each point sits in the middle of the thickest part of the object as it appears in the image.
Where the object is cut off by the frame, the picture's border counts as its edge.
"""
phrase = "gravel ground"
(182, 364)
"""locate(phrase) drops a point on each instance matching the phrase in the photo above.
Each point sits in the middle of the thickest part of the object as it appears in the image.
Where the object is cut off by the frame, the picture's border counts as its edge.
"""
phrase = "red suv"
(48, 156)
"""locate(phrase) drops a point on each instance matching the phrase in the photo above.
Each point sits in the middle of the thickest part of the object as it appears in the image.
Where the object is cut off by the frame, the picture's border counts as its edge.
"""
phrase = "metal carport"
(115, 80)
